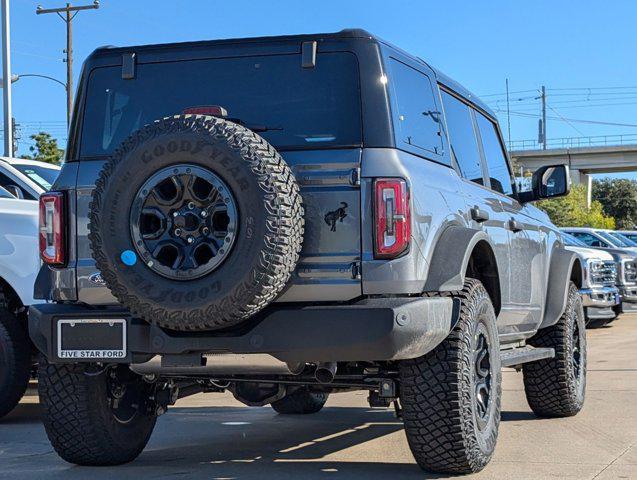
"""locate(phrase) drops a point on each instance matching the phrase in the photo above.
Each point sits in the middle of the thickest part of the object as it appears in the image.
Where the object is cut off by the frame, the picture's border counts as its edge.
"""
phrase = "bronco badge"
(336, 216)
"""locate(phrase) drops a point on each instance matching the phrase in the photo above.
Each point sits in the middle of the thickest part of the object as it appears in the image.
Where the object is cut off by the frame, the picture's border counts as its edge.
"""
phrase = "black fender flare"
(559, 277)
(451, 258)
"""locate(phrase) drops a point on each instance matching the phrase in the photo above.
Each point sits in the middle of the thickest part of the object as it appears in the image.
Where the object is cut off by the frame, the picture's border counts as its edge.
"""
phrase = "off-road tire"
(552, 387)
(15, 361)
(437, 393)
(266, 246)
(300, 402)
(78, 420)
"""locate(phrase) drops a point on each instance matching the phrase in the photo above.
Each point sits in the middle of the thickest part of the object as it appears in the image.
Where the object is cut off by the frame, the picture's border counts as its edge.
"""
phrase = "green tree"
(571, 211)
(45, 149)
(618, 197)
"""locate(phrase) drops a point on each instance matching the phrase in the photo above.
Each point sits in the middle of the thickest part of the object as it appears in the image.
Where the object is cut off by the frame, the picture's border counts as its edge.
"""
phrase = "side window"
(589, 239)
(5, 194)
(464, 144)
(494, 154)
(417, 118)
(6, 181)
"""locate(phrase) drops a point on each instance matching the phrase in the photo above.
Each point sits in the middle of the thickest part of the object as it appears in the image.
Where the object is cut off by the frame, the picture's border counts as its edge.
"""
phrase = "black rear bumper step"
(518, 356)
(374, 329)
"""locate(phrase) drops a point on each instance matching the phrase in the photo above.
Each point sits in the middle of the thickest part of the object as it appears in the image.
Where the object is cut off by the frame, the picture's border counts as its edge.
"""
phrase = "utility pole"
(508, 114)
(543, 97)
(6, 76)
(69, 14)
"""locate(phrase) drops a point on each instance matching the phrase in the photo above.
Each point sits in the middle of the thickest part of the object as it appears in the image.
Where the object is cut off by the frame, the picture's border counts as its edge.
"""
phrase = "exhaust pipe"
(219, 365)
(325, 372)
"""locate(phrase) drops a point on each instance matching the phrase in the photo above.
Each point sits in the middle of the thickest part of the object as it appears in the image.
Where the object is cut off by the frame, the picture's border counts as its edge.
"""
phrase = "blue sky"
(573, 46)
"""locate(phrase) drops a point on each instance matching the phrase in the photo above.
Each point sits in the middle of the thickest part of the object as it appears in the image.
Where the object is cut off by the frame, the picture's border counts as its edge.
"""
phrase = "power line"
(577, 120)
(567, 121)
(503, 94)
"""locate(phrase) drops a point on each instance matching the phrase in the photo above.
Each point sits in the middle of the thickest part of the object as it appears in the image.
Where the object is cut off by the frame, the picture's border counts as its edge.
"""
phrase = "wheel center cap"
(188, 221)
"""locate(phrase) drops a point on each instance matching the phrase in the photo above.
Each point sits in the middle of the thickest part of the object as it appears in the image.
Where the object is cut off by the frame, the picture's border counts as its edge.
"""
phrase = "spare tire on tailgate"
(196, 223)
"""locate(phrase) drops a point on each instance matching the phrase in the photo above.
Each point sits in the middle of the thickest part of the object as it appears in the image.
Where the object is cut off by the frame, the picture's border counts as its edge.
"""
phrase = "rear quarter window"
(416, 115)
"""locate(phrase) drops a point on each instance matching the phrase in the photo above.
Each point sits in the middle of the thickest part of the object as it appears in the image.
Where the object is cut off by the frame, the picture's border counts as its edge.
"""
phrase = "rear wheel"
(451, 396)
(15, 361)
(300, 402)
(555, 387)
(96, 417)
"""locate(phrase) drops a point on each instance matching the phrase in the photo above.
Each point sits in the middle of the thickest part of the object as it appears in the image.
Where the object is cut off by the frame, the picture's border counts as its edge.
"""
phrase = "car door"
(525, 236)
(483, 209)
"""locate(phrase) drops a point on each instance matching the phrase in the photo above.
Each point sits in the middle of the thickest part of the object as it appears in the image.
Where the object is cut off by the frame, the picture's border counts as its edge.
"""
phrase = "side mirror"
(15, 191)
(547, 182)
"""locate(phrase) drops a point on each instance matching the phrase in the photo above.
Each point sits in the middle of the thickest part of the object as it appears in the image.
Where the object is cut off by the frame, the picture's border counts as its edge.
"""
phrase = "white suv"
(21, 183)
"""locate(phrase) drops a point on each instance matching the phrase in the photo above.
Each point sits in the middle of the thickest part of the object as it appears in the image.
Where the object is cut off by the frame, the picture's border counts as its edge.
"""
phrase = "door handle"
(479, 215)
(515, 226)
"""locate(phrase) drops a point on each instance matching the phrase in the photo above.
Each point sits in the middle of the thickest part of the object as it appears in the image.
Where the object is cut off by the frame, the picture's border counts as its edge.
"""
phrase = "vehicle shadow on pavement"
(24, 413)
(256, 443)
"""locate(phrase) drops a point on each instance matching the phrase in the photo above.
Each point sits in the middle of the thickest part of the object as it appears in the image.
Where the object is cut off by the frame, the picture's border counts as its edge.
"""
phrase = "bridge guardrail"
(574, 142)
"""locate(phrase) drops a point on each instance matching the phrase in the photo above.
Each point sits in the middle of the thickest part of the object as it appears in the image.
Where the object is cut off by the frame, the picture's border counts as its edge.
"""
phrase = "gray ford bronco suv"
(289, 217)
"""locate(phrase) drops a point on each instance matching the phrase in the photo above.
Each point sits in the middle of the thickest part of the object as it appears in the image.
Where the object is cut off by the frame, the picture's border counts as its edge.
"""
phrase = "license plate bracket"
(92, 339)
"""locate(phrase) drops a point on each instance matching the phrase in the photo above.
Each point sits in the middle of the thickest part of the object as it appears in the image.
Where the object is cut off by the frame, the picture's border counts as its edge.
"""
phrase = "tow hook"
(385, 395)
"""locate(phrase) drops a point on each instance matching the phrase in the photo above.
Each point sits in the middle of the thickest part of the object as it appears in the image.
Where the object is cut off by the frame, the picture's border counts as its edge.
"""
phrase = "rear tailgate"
(329, 267)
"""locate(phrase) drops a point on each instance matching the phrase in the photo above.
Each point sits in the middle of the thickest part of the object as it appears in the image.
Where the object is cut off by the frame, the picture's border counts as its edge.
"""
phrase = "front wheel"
(451, 396)
(15, 361)
(555, 387)
(96, 417)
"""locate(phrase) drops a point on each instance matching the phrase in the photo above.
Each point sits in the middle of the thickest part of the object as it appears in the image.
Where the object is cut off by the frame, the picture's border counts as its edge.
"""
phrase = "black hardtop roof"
(345, 34)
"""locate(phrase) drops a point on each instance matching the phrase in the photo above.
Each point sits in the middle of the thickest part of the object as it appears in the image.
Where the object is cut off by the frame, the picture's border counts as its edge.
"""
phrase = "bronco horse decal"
(336, 216)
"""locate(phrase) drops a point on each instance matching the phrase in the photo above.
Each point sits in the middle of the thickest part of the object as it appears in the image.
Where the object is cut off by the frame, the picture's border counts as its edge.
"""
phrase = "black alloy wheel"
(184, 222)
(482, 376)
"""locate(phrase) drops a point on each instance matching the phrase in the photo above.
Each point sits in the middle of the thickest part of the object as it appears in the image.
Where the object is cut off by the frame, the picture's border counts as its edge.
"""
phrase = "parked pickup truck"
(600, 295)
(625, 255)
(287, 218)
(21, 183)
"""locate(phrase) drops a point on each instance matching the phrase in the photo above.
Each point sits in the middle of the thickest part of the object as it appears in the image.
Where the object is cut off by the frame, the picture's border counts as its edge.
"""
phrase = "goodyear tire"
(15, 361)
(451, 395)
(196, 223)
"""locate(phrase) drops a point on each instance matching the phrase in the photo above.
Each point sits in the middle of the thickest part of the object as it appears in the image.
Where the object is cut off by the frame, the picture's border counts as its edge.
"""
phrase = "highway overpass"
(583, 161)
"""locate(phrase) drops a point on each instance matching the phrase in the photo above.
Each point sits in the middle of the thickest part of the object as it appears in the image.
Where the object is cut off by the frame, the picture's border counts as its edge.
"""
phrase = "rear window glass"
(300, 107)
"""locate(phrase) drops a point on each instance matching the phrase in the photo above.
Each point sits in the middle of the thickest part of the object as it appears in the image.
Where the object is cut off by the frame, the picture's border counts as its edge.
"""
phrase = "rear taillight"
(52, 228)
(392, 217)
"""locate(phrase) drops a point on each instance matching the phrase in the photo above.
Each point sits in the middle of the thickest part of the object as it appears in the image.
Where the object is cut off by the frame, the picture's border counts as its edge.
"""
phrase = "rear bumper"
(600, 297)
(371, 330)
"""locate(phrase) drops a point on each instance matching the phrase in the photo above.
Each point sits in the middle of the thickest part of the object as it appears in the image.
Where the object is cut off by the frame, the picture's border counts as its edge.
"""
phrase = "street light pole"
(69, 14)
(6, 74)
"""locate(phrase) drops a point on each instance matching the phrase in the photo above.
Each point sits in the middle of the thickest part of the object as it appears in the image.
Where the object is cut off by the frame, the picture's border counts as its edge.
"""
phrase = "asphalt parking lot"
(214, 437)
